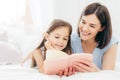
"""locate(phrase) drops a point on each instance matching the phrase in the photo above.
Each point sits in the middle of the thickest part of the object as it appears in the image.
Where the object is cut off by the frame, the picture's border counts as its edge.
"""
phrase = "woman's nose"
(85, 27)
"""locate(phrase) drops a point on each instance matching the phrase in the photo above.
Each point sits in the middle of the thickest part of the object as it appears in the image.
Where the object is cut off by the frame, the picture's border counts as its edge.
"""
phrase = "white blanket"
(16, 72)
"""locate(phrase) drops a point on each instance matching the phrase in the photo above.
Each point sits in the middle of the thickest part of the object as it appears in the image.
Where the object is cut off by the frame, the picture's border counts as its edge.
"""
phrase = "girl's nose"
(60, 41)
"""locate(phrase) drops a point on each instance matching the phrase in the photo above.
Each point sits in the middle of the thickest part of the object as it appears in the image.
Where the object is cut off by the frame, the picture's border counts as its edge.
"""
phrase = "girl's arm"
(29, 56)
(38, 57)
(109, 58)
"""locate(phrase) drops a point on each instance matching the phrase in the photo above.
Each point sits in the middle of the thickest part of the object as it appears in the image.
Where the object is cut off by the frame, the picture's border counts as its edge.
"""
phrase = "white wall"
(44, 11)
(70, 11)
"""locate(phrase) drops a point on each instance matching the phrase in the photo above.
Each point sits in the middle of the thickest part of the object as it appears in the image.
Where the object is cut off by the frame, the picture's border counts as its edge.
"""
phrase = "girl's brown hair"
(56, 24)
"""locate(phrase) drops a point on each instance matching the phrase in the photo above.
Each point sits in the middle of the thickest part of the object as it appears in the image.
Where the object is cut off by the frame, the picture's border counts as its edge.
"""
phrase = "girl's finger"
(66, 72)
(70, 72)
(60, 73)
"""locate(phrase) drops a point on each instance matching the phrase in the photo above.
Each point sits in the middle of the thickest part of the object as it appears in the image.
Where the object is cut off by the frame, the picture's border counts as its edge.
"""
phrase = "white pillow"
(9, 54)
(3, 35)
(117, 67)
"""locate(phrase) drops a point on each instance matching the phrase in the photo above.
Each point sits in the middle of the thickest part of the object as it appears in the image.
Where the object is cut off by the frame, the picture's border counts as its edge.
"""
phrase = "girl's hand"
(48, 45)
(29, 56)
(67, 72)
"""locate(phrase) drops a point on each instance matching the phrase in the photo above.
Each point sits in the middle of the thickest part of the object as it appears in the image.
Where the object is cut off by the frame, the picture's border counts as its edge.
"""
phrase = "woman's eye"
(82, 22)
(92, 26)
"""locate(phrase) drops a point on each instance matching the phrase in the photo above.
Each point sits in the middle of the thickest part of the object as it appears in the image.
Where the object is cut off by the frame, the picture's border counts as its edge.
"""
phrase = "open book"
(58, 60)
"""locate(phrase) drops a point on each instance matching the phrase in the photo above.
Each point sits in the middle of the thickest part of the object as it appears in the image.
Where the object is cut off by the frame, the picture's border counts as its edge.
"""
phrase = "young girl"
(57, 37)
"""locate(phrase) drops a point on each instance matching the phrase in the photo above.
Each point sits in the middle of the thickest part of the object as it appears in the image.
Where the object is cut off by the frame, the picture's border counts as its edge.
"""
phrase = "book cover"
(58, 60)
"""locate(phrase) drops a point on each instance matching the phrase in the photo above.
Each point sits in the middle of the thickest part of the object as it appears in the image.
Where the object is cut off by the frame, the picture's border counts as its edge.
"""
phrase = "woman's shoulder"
(75, 36)
(113, 41)
(76, 43)
(75, 39)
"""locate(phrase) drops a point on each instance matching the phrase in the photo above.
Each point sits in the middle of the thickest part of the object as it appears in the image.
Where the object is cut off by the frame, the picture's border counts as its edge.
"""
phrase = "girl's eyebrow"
(59, 35)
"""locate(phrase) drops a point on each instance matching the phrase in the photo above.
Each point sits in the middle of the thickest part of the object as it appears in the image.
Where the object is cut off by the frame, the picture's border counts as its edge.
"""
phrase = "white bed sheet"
(17, 72)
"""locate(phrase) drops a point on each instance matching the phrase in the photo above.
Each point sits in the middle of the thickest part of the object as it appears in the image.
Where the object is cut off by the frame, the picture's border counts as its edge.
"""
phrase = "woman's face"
(59, 38)
(89, 27)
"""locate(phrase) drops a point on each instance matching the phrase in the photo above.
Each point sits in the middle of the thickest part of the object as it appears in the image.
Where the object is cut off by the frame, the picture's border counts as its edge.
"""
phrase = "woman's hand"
(94, 67)
(81, 67)
(67, 72)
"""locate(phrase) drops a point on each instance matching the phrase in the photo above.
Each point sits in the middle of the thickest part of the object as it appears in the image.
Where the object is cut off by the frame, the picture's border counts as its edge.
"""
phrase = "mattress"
(18, 72)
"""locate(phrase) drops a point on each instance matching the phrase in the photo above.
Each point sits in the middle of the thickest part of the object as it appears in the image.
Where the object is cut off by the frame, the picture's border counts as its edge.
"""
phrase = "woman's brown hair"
(102, 13)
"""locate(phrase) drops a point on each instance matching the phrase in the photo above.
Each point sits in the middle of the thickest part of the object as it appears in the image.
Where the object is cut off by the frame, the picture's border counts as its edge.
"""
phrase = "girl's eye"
(56, 37)
(65, 39)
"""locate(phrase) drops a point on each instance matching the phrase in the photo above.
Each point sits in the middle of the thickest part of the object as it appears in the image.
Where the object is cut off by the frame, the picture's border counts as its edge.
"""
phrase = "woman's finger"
(78, 68)
(82, 67)
(94, 67)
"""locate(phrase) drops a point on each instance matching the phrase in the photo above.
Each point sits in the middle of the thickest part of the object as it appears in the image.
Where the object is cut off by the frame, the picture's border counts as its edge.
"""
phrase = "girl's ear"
(46, 36)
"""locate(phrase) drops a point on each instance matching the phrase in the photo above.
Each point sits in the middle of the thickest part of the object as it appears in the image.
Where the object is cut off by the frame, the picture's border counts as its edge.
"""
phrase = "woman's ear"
(102, 29)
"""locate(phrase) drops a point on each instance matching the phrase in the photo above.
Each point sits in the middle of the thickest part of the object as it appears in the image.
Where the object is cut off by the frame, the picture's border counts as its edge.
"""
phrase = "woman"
(94, 36)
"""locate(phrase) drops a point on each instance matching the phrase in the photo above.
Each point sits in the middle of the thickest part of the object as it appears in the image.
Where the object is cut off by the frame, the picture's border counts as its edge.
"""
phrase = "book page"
(53, 54)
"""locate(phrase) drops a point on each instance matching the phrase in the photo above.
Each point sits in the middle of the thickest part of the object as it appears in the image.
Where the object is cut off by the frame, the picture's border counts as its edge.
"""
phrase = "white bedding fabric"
(17, 72)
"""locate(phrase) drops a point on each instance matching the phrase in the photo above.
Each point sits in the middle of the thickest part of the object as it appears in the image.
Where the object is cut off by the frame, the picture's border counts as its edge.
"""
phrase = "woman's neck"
(89, 46)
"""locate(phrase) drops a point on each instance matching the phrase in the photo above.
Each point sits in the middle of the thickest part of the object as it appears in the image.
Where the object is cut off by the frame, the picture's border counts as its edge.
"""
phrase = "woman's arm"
(109, 58)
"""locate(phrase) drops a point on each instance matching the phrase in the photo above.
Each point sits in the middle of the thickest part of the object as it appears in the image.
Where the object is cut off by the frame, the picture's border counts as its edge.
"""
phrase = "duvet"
(17, 72)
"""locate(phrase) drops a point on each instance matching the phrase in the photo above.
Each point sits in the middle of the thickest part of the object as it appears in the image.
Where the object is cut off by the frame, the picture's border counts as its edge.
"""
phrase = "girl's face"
(89, 27)
(59, 38)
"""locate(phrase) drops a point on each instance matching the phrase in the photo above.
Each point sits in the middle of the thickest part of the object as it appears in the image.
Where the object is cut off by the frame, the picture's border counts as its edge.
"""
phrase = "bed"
(10, 69)
(18, 72)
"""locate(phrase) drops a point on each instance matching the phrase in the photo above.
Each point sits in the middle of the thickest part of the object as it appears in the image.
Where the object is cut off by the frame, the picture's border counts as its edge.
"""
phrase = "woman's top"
(97, 53)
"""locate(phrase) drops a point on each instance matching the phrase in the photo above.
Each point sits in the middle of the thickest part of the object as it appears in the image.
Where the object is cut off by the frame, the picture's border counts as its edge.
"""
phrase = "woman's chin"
(84, 37)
